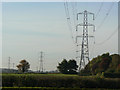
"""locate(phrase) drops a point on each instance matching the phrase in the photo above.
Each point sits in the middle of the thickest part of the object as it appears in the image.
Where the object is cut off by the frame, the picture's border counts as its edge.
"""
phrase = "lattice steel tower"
(41, 62)
(84, 57)
(9, 59)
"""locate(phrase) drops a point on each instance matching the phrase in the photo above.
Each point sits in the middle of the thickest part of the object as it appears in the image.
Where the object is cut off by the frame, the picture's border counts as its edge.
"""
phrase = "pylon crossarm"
(85, 25)
(91, 25)
(79, 44)
(92, 14)
(78, 57)
(78, 25)
(78, 14)
(91, 36)
(78, 50)
(78, 37)
(83, 36)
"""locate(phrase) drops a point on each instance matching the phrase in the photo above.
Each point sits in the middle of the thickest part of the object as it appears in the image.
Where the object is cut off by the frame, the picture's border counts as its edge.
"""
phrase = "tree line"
(103, 63)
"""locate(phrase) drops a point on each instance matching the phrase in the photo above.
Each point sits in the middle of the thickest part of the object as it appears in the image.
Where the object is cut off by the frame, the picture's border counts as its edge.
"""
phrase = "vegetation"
(68, 67)
(50, 88)
(58, 81)
(103, 64)
(101, 72)
(23, 66)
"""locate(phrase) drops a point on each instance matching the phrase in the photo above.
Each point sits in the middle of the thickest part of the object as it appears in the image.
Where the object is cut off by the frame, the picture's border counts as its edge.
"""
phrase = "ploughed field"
(58, 81)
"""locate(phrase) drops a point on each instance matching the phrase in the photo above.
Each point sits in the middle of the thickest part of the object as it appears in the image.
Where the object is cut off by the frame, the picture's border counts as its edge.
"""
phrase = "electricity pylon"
(41, 62)
(9, 58)
(84, 57)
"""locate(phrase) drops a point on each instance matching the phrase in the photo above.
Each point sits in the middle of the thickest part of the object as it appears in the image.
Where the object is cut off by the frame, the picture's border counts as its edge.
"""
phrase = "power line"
(74, 13)
(107, 14)
(99, 10)
(108, 37)
(93, 46)
(68, 19)
(66, 9)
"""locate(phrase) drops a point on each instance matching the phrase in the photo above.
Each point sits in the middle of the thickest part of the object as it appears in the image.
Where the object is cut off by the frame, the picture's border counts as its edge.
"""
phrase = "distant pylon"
(9, 62)
(41, 62)
(13, 65)
(84, 57)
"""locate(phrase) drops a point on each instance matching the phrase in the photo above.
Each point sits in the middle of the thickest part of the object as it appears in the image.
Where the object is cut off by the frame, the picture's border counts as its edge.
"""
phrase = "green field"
(58, 81)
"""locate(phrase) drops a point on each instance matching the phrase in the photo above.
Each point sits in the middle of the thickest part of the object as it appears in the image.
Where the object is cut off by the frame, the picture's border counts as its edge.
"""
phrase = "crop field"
(57, 81)
(57, 75)
(51, 88)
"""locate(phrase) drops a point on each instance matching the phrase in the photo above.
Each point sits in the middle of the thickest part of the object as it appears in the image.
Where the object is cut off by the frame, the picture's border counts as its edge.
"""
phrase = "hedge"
(59, 81)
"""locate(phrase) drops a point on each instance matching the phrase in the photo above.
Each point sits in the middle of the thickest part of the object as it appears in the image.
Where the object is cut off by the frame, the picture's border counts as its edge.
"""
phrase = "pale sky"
(29, 28)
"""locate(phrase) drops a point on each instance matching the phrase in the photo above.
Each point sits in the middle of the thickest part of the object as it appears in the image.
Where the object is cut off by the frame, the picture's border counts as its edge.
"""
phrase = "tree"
(72, 66)
(118, 68)
(103, 63)
(23, 66)
(63, 66)
(68, 67)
